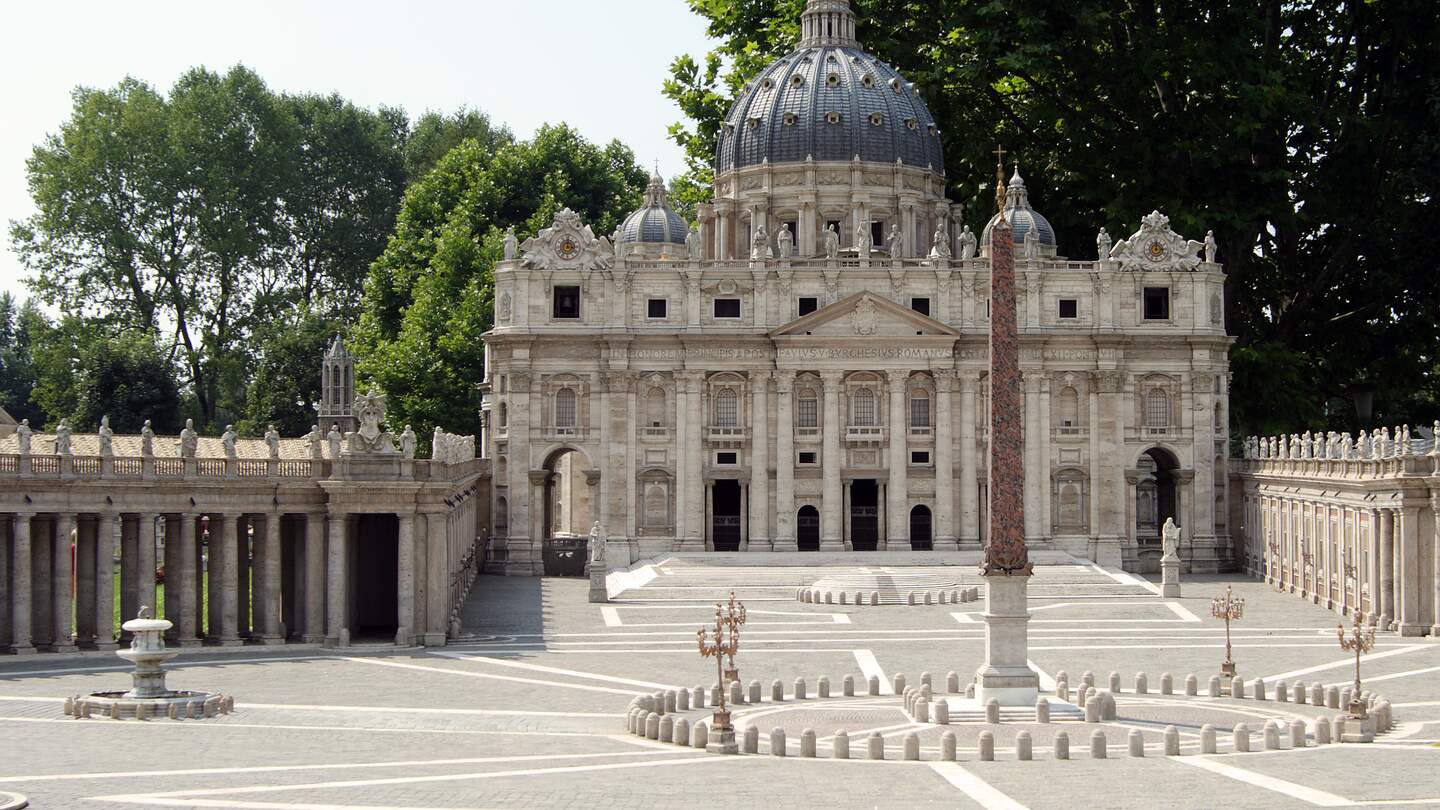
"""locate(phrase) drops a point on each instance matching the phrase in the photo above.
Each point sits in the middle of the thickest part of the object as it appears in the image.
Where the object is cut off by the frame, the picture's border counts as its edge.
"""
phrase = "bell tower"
(337, 389)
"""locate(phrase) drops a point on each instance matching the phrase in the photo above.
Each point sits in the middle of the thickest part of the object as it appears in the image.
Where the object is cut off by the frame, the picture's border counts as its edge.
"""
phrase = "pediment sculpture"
(1155, 247)
(371, 437)
(568, 244)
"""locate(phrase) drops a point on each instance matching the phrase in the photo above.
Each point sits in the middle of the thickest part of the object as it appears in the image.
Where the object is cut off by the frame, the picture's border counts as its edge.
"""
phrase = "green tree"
(129, 379)
(429, 297)
(433, 136)
(285, 382)
(17, 364)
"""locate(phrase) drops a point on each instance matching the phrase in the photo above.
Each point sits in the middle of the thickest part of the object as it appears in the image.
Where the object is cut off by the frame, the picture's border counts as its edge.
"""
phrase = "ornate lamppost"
(734, 618)
(1229, 608)
(1357, 725)
(724, 642)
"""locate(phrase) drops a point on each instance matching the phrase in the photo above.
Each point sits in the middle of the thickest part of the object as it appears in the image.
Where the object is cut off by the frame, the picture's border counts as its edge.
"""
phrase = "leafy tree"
(1264, 121)
(434, 135)
(17, 365)
(429, 297)
(284, 386)
(129, 379)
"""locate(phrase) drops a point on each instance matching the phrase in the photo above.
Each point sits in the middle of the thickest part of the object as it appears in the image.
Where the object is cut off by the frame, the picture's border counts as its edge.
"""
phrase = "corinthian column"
(21, 573)
(832, 536)
(759, 499)
(784, 461)
(63, 584)
(899, 489)
(944, 462)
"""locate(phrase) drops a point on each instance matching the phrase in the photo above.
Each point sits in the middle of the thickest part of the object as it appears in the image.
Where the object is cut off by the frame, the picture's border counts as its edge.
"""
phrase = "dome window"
(911, 123)
(877, 119)
(832, 117)
(729, 129)
(934, 130)
(754, 121)
(797, 80)
(766, 84)
(833, 80)
(789, 119)
(868, 80)
(895, 85)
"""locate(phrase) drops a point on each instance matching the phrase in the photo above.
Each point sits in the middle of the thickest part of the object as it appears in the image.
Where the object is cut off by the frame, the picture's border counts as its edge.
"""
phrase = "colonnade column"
(632, 423)
(898, 522)
(1387, 568)
(187, 554)
(759, 495)
(437, 609)
(784, 461)
(683, 507)
(145, 562)
(105, 528)
(832, 514)
(1435, 565)
(5, 587)
(226, 553)
(86, 529)
(944, 524)
(62, 586)
(1032, 456)
(1372, 615)
(606, 461)
(314, 578)
(20, 593)
(1409, 602)
(969, 479)
(336, 631)
(269, 600)
(405, 580)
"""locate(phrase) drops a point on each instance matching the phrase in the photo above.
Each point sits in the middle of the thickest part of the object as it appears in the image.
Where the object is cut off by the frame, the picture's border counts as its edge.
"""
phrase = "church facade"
(806, 369)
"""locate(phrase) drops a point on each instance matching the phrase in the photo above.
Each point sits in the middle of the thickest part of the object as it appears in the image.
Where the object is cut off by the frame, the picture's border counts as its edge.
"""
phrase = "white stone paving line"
(490, 676)
(574, 673)
(301, 707)
(869, 667)
(213, 726)
(756, 647)
(1348, 662)
(1125, 579)
(1294, 790)
(982, 792)
(1392, 676)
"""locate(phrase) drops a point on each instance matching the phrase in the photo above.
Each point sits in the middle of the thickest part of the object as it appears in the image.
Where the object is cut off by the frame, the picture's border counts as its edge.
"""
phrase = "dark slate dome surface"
(655, 222)
(831, 103)
(1020, 215)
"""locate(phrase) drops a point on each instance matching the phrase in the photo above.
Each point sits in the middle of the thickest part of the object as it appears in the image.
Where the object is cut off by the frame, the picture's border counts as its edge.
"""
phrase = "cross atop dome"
(828, 22)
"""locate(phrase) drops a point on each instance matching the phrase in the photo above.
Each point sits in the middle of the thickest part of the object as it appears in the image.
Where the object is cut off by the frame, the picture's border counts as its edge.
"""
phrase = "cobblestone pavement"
(528, 711)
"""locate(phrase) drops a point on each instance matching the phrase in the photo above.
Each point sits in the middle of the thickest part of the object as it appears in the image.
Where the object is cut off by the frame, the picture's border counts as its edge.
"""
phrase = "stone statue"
(785, 241)
(760, 245)
(147, 440)
(597, 545)
(1032, 244)
(437, 446)
(895, 242)
(1347, 446)
(370, 438)
(62, 439)
(940, 245)
(1103, 243)
(408, 442)
(1307, 446)
(22, 437)
(1210, 246)
(968, 243)
(313, 441)
(107, 437)
(1363, 444)
(1435, 439)
(832, 242)
(272, 441)
(189, 439)
(512, 245)
(227, 440)
(1404, 441)
(1170, 539)
(862, 239)
(692, 245)
(333, 439)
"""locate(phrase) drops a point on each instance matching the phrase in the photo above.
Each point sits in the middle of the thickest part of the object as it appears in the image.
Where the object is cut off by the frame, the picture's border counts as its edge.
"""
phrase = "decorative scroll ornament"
(568, 244)
(1155, 247)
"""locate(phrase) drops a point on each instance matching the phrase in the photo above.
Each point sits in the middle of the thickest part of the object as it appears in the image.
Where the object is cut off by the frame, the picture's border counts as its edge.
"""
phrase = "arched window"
(920, 409)
(807, 409)
(655, 407)
(565, 408)
(1157, 409)
(1069, 407)
(727, 408)
(862, 408)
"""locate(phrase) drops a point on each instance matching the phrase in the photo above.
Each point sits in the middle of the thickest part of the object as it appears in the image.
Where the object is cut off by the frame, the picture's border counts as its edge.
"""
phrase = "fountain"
(148, 696)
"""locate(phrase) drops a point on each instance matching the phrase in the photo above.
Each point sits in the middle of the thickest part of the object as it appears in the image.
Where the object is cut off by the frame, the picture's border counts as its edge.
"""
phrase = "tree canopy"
(1305, 134)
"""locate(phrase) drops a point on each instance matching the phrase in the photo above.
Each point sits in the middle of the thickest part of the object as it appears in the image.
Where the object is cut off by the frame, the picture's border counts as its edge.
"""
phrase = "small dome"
(655, 223)
(1021, 216)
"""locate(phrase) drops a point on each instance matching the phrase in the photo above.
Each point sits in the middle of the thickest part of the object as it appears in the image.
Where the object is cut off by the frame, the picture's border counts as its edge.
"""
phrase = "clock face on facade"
(567, 249)
(1157, 251)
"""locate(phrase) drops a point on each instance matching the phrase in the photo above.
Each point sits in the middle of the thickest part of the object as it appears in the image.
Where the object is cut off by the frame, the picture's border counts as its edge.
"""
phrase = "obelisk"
(1006, 675)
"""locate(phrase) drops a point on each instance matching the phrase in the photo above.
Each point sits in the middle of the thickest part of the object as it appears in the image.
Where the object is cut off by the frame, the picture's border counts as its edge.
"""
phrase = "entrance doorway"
(567, 514)
(807, 529)
(864, 514)
(375, 595)
(920, 537)
(1156, 494)
(725, 516)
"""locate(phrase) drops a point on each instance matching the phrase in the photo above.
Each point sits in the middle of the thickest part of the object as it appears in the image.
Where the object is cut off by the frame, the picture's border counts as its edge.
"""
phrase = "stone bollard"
(947, 746)
(777, 742)
(844, 598)
(799, 688)
(876, 744)
(1282, 692)
(992, 711)
(926, 682)
(70, 707)
(751, 744)
(1062, 745)
(944, 597)
(652, 726)
(142, 711)
(874, 598)
(1241, 738)
(1345, 697)
(1088, 678)
(970, 691)
(1062, 675)
(1332, 697)
(754, 696)
(926, 692)
(1297, 693)
(829, 597)
(1322, 731)
(1062, 690)
(777, 692)
(682, 700)
(840, 745)
(189, 711)
(922, 711)
(859, 598)
(659, 703)
(1107, 706)
(1083, 696)
(1237, 688)
(807, 743)
(1207, 739)
(1271, 733)
(1137, 743)
(715, 693)
(737, 693)
(1098, 749)
(929, 598)
(899, 683)
(987, 747)
(952, 682)
(1024, 750)
(172, 711)
(1214, 686)
(1317, 695)
(803, 595)
(212, 706)
(1337, 728)
(667, 728)
(680, 734)
(630, 720)
(1092, 710)
(1258, 687)
(942, 713)
(671, 701)
(115, 711)
(1297, 734)
(1167, 684)
(1042, 710)
(874, 685)
(912, 747)
(847, 686)
(822, 687)
(910, 598)
(1114, 683)
(955, 597)
(1172, 741)
(1142, 685)
(1192, 685)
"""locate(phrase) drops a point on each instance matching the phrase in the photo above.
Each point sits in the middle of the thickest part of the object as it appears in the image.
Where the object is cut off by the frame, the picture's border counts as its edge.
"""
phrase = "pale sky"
(596, 64)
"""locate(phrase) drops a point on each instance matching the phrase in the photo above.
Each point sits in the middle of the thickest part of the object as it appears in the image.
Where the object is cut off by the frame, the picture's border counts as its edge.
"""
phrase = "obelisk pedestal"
(1007, 676)
(1170, 577)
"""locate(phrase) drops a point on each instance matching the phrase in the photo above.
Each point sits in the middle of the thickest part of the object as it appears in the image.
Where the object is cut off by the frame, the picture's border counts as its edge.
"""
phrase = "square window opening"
(807, 305)
(1069, 308)
(1157, 303)
(656, 308)
(921, 305)
(727, 307)
(567, 302)
(920, 457)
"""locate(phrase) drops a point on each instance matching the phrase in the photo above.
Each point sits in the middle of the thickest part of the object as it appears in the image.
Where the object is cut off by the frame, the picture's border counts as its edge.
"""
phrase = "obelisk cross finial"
(1000, 178)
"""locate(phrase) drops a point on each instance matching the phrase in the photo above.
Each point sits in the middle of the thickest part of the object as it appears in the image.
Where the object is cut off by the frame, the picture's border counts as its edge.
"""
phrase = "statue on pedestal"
(1210, 246)
(760, 245)
(832, 242)
(940, 246)
(189, 439)
(107, 437)
(1103, 243)
(227, 440)
(1032, 244)
(895, 242)
(1170, 539)
(370, 438)
(22, 437)
(147, 440)
(692, 245)
(968, 243)
(408, 442)
(512, 245)
(272, 440)
(333, 439)
(1170, 560)
(313, 441)
(62, 439)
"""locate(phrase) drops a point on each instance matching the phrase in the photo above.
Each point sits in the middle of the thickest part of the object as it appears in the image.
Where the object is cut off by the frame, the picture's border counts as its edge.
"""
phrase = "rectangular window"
(567, 302)
(1157, 303)
(877, 234)
(833, 223)
(1069, 308)
(807, 409)
(807, 305)
(809, 457)
(862, 408)
(656, 308)
(921, 305)
(727, 459)
(920, 457)
(920, 412)
(727, 307)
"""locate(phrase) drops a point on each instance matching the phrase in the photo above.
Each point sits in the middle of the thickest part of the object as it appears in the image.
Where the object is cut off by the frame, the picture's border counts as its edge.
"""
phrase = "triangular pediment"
(864, 315)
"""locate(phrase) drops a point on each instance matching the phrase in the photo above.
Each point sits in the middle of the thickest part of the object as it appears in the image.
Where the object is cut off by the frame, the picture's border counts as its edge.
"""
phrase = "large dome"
(831, 101)
(655, 222)
(1022, 218)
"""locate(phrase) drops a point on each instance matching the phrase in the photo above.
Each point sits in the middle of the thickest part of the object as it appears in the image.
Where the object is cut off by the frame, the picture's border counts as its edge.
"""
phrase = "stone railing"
(150, 467)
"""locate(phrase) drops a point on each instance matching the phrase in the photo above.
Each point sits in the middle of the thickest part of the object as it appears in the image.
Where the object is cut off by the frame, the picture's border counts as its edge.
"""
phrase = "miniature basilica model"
(806, 370)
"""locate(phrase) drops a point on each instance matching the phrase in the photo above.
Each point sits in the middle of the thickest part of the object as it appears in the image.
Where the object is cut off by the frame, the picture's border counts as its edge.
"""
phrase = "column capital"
(785, 384)
(944, 380)
(831, 380)
(896, 379)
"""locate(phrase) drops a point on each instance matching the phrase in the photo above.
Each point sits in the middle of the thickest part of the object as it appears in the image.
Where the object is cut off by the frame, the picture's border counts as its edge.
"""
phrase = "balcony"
(655, 434)
(1071, 432)
(807, 432)
(863, 433)
(715, 433)
(922, 431)
(566, 433)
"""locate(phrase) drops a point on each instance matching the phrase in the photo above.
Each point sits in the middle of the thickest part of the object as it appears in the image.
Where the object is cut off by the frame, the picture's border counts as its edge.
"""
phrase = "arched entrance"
(807, 529)
(920, 529)
(567, 512)
(1156, 494)
(725, 515)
